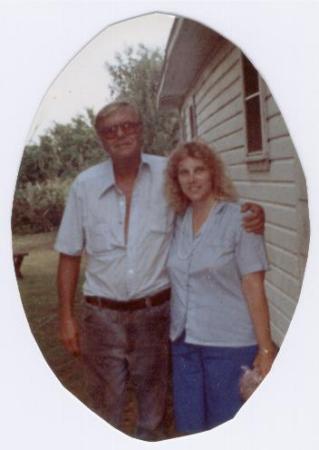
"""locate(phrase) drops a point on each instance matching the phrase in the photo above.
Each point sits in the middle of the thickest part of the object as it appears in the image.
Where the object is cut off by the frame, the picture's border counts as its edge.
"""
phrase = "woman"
(219, 312)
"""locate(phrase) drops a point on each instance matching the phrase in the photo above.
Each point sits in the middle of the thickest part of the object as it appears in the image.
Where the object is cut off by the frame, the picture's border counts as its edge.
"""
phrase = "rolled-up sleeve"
(250, 252)
(70, 238)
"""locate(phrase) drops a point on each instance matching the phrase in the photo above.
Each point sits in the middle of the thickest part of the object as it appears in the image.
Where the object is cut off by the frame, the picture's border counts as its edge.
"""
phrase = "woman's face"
(195, 179)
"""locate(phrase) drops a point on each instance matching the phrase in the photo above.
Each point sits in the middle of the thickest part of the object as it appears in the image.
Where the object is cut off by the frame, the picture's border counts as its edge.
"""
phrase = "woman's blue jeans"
(206, 384)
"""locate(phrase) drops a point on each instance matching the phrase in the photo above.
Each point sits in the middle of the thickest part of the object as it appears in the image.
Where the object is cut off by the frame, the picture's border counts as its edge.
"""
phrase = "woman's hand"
(264, 360)
(254, 222)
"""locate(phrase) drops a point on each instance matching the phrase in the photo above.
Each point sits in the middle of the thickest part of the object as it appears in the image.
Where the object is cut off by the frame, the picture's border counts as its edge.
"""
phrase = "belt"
(130, 305)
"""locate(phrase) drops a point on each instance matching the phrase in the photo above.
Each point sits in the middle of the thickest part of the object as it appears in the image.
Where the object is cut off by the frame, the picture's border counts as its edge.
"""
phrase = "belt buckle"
(148, 302)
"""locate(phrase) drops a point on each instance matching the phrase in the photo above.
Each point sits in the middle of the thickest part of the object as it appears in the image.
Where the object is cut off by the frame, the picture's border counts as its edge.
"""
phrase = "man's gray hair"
(113, 107)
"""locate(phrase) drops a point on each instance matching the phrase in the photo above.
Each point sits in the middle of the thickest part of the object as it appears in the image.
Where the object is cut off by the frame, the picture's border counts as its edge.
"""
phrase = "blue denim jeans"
(206, 384)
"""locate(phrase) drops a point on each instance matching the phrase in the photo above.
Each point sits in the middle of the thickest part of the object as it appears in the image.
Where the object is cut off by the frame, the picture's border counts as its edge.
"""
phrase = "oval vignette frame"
(210, 435)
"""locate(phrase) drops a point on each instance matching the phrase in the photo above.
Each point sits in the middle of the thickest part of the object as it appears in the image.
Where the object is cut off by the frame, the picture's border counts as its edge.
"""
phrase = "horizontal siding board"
(304, 239)
(224, 143)
(230, 83)
(300, 176)
(231, 157)
(303, 193)
(282, 170)
(285, 282)
(303, 227)
(227, 99)
(281, 215)
(281, 301)
(204, 78)
(281, 148)
(223, 76)
(230, 110)
(222, 124)
(283, 259)
(276, 127)
(277, 316)
(283, 238)
(279, 324)
(302, 265)
(217, 74)
(276, 334)
(278, 193)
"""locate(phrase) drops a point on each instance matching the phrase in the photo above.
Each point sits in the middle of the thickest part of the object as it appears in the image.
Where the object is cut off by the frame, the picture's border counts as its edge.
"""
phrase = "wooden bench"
(18, 260)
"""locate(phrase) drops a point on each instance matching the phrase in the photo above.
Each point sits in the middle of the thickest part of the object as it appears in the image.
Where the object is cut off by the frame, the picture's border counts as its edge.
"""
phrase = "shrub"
(38, 207)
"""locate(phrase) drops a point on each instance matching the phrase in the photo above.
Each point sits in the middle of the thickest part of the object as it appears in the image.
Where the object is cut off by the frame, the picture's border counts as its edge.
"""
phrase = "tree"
(47, 169)
(135, 77)
(63, 151)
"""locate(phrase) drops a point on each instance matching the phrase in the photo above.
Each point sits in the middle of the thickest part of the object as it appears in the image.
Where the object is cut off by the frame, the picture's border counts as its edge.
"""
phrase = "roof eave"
(189, 46)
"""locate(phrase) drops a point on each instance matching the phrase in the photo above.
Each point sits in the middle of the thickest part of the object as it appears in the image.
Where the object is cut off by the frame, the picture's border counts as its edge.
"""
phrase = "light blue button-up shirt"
(93, 222)
(206, 270)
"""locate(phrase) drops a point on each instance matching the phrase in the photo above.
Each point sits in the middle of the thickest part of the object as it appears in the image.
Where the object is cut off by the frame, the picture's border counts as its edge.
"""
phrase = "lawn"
(39, 298)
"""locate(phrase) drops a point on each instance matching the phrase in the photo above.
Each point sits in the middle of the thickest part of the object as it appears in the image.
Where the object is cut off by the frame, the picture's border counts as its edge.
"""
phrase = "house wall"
(280, 190)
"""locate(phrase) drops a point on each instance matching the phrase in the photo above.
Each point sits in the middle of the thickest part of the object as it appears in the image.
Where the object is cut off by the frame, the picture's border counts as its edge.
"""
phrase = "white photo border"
(38, 39)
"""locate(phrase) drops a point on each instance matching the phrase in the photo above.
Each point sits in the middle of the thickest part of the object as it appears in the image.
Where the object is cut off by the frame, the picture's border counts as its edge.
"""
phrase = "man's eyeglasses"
(127, 129)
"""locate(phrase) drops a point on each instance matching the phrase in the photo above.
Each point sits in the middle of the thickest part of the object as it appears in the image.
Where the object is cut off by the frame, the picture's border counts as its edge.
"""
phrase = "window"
(192, 118)
(256, 144)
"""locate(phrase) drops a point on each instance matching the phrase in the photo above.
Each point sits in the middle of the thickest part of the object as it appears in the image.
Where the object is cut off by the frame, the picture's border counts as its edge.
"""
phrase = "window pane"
(250, 77)
(253, 118)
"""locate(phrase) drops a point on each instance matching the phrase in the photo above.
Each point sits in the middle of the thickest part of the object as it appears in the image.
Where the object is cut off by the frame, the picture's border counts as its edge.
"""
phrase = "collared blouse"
(93, 223)
(206, 271)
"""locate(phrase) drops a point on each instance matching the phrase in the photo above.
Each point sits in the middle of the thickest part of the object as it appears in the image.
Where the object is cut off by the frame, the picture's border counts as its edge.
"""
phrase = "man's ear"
(102, 144)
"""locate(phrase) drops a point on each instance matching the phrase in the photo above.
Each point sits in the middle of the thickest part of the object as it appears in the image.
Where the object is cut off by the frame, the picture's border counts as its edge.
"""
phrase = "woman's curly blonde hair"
(223, 187)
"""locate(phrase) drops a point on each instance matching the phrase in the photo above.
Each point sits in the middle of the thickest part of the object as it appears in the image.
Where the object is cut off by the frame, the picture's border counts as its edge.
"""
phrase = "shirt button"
(130, 272)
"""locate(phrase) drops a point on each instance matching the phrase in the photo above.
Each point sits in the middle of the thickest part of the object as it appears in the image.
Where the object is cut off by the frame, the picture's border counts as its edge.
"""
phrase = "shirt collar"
(109, 177)
(217, 209)
(220, 206)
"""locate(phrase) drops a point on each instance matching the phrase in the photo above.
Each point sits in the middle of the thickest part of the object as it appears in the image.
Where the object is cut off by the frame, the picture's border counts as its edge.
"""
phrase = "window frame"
(257, 160)
(191, 117)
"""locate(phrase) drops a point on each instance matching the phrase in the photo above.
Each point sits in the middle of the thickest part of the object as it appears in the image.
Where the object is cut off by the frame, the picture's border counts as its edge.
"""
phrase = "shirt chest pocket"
(101, 240)
(161, 222)
(220, 255)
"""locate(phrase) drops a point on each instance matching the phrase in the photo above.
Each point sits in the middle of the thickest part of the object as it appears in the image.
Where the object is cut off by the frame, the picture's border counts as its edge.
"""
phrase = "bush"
(38, 207)
(62, 152)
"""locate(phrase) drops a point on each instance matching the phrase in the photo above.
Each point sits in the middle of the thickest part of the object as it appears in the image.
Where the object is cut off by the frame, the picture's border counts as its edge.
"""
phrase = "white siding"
(280, 190)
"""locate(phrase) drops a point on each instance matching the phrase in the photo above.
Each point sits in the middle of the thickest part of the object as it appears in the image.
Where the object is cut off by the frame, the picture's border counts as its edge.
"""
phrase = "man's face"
(121, 134)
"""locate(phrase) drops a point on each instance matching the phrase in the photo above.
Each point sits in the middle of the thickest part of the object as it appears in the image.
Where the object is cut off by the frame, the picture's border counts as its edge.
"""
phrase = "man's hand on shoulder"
(254, 222)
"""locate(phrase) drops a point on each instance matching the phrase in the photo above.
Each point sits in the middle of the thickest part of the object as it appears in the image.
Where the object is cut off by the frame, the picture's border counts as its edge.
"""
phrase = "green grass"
(39, 298)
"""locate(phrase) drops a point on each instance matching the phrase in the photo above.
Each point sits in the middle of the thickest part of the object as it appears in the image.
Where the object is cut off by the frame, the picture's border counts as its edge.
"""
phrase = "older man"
(116, 212)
